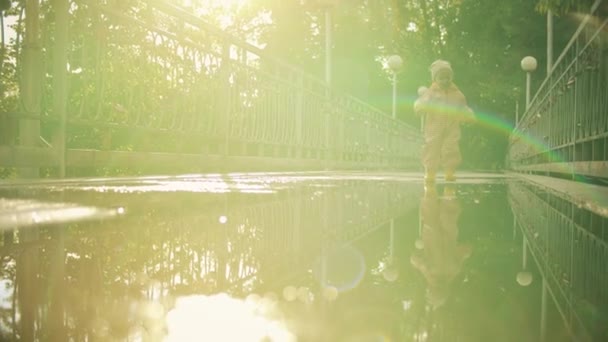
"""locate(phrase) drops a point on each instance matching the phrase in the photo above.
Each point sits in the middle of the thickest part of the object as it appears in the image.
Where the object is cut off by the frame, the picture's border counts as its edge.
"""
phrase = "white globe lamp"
(529, 64)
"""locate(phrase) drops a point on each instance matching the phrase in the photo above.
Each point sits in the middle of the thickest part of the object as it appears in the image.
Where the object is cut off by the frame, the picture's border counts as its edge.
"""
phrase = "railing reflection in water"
(570, 246)
(114, 278)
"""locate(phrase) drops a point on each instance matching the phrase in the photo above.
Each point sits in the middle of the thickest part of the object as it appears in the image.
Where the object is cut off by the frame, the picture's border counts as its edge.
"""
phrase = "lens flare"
(341, 267)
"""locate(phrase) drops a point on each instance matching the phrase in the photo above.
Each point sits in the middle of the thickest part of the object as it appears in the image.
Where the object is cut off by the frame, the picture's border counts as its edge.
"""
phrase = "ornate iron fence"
(570, 245)
(147, 76)
(565, 129)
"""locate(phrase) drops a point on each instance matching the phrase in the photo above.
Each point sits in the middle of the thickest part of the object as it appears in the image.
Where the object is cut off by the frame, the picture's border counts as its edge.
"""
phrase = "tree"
(564, 6)
(123, 72)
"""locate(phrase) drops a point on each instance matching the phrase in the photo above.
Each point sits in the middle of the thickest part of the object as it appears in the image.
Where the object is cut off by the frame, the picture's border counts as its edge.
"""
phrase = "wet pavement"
(300, 257)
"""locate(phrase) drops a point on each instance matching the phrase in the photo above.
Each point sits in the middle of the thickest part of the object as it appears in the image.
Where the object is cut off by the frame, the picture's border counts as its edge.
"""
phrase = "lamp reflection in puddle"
(439, 255)
(524, 277)
(390, 271)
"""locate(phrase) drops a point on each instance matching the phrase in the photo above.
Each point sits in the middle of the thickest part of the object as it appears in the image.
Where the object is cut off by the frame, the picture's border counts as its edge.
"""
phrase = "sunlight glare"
(224, 4)
(223, 11)
(205, 318)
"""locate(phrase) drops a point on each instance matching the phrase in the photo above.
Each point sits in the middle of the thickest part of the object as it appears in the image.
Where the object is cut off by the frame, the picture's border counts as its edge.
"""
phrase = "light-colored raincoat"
(443, 110)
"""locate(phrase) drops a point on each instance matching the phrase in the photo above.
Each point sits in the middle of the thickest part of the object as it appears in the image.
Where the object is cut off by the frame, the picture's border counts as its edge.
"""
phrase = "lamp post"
(549, 42)
(524, 277)
(30, 90)
(391, 273)
(327, 6)
(395, 63)
(421, 91)
(328, 45)
(528, 64)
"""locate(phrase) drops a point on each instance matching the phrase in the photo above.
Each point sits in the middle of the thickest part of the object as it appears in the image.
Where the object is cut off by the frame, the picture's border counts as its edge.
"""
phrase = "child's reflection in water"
(441, 256)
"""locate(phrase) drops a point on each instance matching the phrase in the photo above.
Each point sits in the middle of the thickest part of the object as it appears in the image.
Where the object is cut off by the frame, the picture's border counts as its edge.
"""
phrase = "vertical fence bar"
(225, 101)
(30, 87)
(60, 61)
(543, 311)
(299, 114)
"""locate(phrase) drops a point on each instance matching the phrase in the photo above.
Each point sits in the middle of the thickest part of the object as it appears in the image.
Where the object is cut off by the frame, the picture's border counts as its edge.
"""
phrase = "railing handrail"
(559, 59)
(181, 13)
(245, 45)
(192, 19)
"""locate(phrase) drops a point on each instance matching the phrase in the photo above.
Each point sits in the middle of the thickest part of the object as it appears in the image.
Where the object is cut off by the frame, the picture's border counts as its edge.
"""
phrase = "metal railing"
(570, 245)
(565, 129)
(147, 76)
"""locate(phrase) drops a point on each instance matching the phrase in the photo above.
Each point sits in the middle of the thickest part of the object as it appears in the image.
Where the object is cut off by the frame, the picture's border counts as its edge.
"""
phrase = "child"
(442, 256)
(444, 107)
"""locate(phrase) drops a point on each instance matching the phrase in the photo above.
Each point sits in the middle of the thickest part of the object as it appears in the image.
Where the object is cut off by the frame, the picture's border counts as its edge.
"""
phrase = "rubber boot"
(449, 176)
(429, 177)
(430, 190)
(449, 192)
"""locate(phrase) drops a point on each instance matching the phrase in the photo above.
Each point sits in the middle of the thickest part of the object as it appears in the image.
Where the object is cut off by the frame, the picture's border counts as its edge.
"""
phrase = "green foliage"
(5, 5)
(486, 63)
(9, 89)
(561, 7)
(121, 72)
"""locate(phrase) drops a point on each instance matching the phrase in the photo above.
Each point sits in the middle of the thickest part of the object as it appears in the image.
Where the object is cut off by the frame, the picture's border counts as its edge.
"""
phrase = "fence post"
(326, 152)
(299, 115)
(60, 60)
(225, 99)
(30, 87)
